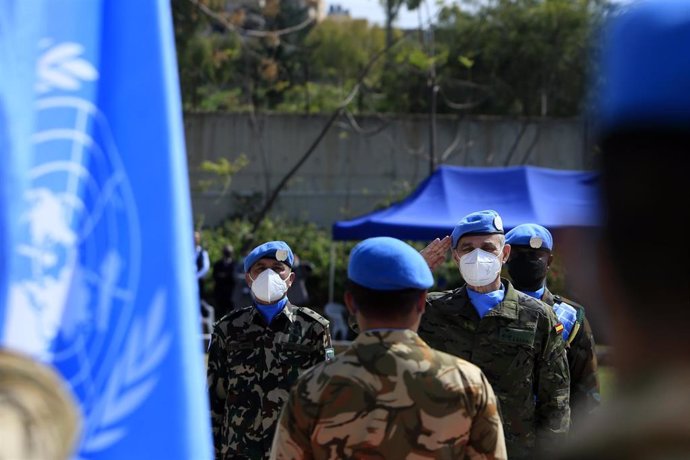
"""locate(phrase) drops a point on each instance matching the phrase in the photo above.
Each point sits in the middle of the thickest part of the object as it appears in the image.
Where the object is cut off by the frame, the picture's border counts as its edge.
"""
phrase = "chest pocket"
(517, 344)
(295, 358)
(242, 360)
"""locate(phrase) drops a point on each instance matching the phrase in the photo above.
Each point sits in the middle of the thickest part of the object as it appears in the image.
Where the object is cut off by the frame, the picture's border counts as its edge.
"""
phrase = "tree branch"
(334, 116)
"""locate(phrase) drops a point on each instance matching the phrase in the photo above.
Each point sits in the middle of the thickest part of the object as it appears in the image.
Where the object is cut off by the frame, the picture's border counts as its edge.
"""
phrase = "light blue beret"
(278, 250)
(645, 66)
(477, 223)
(530, 235)
(388, 264)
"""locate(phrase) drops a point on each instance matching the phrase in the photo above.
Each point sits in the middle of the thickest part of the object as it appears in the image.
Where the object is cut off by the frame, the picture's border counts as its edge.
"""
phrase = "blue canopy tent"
(550, 197)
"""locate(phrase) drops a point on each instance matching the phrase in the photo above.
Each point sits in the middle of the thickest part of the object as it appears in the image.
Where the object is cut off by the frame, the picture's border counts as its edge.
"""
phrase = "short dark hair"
(642, 186)
(382, 305)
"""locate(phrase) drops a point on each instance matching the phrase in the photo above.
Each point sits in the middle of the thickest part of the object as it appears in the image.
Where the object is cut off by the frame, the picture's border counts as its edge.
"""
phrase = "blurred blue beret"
(531, 235)
(388, 264)
(477, 223)
(278, 250)
(645, 66)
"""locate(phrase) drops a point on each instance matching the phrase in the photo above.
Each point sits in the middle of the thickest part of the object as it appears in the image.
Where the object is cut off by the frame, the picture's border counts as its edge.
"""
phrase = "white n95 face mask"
(268, 287)
(479, 268)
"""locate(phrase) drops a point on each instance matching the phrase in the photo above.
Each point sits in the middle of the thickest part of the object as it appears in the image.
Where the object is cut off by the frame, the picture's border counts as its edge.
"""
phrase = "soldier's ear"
(350, 303)
(506, 252)
(421, 303)
(290, 279)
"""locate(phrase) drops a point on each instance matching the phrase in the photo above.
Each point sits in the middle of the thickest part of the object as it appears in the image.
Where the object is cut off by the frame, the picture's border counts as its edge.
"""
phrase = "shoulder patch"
(313, 315)
(572, 303)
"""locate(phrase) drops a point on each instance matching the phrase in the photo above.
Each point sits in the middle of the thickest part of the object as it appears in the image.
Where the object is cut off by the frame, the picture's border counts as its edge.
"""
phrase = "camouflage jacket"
(390, 396)
(582, 360)
(518, 346)
(251, 368)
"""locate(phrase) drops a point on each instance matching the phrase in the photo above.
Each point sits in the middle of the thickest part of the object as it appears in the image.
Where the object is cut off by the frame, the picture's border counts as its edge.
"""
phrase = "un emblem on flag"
(79, 260)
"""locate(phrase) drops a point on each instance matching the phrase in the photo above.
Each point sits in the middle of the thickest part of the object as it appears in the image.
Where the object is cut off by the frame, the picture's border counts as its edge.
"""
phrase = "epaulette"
(313, 315)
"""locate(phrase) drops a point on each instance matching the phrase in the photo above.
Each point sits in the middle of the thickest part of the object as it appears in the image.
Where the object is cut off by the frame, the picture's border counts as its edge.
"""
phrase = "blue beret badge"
(498, 223)
(535, 242)
(281, 255)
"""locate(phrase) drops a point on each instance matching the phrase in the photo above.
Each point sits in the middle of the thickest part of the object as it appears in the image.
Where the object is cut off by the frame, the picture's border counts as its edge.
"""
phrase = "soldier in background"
(256, 354)
(513, 338)
(389, 395)
(640, 274)
(531, 247)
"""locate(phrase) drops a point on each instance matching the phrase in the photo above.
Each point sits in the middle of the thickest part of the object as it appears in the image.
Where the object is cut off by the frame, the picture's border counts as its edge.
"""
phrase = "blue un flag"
(97, 276)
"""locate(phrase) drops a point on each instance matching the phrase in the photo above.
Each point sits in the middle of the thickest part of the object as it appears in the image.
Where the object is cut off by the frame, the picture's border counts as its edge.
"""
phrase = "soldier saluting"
(514, 338)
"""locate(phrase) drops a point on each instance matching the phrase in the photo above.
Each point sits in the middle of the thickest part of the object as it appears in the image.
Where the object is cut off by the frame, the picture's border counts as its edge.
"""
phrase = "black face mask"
(528, 272)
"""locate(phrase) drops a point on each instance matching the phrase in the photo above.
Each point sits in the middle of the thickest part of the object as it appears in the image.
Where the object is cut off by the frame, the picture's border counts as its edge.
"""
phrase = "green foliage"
(531, 54)
(520, 57)
(221, 172)
(312, 97)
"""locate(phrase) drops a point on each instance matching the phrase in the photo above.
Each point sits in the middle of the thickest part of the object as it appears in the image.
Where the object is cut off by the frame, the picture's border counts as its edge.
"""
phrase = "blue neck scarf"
(270, 311)
(484, 302)
(536, 294)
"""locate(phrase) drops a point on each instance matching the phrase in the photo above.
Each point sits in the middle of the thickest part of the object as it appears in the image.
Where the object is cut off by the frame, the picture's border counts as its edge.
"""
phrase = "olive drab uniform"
(251, 367)
(518, 346)
(390, 396)
(582, 358)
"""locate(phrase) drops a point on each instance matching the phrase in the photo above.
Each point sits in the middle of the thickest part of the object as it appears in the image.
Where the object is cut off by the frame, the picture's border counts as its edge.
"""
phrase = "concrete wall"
(360, 166)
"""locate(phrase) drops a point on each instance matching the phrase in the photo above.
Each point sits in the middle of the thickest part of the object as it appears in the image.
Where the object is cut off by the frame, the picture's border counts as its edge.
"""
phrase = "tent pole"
(331, 274)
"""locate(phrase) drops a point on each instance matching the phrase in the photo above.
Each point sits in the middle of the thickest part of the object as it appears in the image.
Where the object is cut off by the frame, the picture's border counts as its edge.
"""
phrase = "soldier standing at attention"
(514, 339)
(528, 264)
(257, 353)
(389, 395)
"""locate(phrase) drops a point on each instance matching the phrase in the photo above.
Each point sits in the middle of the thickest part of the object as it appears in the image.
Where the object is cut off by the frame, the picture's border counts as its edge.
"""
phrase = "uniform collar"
(287, 314)
(509, 307)
(548, 297)
(387, 336)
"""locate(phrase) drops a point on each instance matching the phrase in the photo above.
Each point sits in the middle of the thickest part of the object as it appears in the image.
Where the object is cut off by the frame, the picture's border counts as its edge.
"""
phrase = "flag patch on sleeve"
(558, 328)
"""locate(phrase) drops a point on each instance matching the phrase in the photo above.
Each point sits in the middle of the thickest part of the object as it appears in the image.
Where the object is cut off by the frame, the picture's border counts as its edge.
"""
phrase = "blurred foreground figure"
(389, 395)
(39, 419)
(644, 133)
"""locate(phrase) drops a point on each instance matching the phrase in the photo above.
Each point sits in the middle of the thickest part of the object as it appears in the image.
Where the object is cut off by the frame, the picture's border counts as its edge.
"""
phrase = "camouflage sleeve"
(486, 435)
(584, 388)
(216, 380)
(552, 415)
(292, 439)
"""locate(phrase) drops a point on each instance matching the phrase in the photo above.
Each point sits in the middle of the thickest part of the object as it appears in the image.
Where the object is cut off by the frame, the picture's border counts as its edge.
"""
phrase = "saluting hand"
(435, 252)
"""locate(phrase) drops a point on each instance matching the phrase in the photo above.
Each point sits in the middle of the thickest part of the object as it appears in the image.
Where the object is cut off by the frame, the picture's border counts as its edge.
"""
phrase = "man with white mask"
(513, 338)
(256, 354)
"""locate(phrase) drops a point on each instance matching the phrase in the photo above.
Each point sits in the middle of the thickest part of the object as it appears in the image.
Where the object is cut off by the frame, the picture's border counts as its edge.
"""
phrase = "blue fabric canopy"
(521, 194)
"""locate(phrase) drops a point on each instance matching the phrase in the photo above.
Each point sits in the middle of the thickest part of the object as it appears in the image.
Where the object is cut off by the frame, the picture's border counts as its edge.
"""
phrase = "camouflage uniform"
(251, 367)
(582, 360)
(390, 396)
(519, 348)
